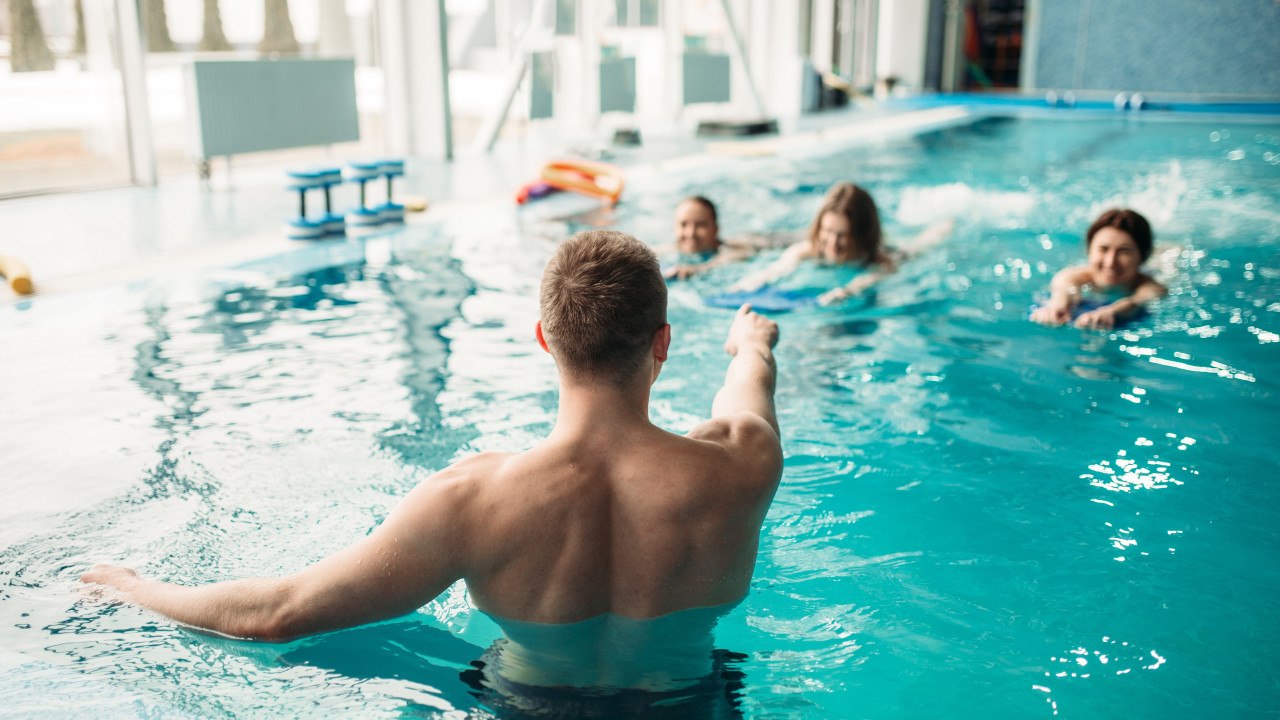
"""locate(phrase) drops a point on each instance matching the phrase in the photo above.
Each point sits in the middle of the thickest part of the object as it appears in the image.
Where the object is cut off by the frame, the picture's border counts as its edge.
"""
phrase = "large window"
(62, 114)
(178, 32)
(838, 36)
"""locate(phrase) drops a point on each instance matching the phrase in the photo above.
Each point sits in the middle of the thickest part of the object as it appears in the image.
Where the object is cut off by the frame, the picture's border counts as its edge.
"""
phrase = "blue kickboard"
(766, 299)
(1089, 304)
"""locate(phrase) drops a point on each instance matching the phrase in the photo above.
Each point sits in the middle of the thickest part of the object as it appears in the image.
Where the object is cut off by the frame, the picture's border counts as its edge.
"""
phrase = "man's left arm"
(405, 562)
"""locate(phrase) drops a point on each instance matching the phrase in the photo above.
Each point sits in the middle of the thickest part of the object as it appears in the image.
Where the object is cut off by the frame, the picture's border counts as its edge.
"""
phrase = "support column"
(1028, 64)
(739, 53)
(865, 17)
(785, 66)
(823, 51)
(672, 16)
(335, 30)
(415, 64)
(901, 42)
(137, 108)
(952, 52)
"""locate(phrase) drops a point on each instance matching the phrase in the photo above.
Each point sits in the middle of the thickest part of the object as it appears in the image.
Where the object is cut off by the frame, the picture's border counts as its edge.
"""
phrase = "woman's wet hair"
(602, 299)
(710, 206)
(855, 204)
(1127, 221)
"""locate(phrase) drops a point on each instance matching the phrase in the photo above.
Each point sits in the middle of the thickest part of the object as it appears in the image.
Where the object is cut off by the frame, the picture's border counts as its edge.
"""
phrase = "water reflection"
(260, 392)
(955, 487)
(1111, 658)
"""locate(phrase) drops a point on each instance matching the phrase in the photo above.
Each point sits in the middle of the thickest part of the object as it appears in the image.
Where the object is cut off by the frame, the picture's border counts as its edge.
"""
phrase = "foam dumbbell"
(302, 227)
(390, 211)
(362, 173)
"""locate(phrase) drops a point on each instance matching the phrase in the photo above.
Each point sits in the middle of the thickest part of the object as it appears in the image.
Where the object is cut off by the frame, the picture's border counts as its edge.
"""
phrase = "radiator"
(239, 106)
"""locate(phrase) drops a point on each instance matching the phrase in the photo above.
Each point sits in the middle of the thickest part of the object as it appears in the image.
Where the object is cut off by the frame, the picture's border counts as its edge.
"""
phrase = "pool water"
(979, 516)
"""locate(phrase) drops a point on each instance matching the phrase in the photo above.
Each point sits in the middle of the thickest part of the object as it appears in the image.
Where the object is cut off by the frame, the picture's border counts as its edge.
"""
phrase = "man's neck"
(600, 409)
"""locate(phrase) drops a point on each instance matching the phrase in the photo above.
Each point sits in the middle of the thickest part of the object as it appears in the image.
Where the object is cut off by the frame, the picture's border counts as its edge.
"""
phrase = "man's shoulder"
(742, 434)
(742, 421)
(466, 474)
(480, 462)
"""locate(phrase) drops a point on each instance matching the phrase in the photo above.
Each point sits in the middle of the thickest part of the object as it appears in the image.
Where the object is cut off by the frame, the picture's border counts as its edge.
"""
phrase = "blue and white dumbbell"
(390, 210)
(301, 227)
(334, 224)
(361, 173)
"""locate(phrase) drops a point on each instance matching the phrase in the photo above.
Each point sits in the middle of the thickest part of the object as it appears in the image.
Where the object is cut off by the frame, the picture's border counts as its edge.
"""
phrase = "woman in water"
(698, 243)
(1118, 243)
(846, 231)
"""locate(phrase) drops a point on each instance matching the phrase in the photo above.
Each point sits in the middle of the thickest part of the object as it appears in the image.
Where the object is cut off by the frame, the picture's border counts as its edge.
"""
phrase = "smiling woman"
(846, 232)
(1119, 241)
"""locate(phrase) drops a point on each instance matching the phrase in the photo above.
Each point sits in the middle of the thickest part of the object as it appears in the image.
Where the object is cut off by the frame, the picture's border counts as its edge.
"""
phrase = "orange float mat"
(588, 177)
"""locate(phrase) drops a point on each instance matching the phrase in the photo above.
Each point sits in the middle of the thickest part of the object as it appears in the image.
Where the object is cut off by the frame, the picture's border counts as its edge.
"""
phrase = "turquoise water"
(979, 516)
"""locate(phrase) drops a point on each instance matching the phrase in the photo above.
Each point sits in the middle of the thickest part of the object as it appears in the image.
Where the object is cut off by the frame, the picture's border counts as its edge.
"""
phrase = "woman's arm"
(930, 236)
(782, 267)
(884, 266)
(725, 255)
(1064, 295)
(1104, 318)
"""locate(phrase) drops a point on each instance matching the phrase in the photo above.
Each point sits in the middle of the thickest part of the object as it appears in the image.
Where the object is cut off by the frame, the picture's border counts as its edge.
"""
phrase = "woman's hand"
(750, 283)
(1052, 314)
(859, 285)
(832, 297)
(682, 272)
(1104, 318)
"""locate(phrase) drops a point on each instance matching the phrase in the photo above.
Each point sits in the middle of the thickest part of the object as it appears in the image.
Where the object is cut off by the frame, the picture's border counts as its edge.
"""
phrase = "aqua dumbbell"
(334, 223)
(362, 173)
(302, 227)
(390, 211)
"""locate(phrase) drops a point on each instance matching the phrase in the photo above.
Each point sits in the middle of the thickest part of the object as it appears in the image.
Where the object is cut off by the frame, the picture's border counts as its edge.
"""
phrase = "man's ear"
(537, 330)
(662, 342)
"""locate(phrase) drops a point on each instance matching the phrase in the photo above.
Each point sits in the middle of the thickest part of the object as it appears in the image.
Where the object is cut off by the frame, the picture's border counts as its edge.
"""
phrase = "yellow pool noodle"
(17, 273)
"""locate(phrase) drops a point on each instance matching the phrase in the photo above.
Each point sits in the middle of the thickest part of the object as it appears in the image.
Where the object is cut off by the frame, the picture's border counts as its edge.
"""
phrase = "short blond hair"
(602, 299)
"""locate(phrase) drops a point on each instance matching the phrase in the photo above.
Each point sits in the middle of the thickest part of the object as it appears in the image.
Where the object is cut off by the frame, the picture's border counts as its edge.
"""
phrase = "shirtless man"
(610, 516)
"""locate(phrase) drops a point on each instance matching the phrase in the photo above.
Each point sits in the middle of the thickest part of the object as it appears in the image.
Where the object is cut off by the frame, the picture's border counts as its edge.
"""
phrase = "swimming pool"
(978, 515)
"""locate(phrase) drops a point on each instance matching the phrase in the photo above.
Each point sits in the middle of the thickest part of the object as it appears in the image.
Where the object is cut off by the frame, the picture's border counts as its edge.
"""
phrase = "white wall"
(900, 45)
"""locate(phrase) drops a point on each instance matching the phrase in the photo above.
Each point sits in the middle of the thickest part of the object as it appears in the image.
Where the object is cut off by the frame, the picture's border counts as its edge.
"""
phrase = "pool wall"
(1170, 46)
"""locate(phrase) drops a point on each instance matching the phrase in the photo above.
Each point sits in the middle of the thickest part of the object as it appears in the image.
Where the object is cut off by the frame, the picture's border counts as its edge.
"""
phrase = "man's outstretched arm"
(404, 563)
(749, 383)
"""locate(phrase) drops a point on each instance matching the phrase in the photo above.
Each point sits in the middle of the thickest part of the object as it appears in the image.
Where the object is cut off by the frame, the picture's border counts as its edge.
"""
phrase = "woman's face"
(835, 237)
(696, 231)
(1114, 258)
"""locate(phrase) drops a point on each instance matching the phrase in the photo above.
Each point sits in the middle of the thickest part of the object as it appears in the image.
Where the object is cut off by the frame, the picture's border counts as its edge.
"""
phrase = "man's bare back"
(609, 515)
(656, 523)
